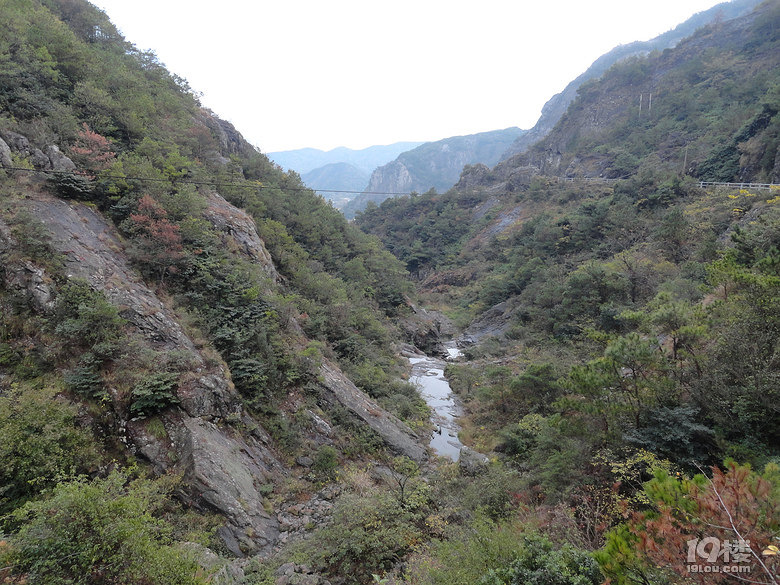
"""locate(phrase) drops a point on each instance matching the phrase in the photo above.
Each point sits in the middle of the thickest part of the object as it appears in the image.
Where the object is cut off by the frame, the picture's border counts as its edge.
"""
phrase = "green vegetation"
(630, 330)
(631, 327)
(100, 531)
(714, 107)
(540, 563)
(638, 337)
(154, 393)
(42, 444)
(372, 525)
(135, 133)
(72, 368)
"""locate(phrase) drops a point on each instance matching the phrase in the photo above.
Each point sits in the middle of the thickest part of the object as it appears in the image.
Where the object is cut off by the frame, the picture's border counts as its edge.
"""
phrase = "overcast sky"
(315, 73)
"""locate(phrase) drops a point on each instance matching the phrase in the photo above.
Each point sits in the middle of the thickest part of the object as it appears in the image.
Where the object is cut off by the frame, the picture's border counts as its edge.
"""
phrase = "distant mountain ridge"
(338, 176)
(434, 165)
(304, 160)
(414, 166)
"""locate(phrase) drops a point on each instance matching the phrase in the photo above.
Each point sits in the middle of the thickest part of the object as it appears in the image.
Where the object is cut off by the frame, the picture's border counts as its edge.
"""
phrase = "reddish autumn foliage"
(92, 152)
(706, 531)
(159, 242)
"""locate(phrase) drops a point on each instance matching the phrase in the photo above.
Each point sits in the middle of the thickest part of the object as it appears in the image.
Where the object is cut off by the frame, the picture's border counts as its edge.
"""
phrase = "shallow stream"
(428, 376)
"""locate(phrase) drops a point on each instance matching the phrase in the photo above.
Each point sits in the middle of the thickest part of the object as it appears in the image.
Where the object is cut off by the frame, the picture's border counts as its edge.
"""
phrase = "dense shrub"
(154, 393)
(84, 317)
(540, 562)
(42, 443)
(100, 531)
(366, 536)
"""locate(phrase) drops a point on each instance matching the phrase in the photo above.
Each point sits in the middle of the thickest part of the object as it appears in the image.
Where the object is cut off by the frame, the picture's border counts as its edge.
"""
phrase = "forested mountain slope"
(714, 112)
(622, 331)
(704, 108)
(172, 302)
(559, 103)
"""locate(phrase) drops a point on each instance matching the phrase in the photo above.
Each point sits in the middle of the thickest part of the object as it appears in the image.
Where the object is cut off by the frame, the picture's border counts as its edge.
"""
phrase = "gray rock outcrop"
(17, 142)
(32, 282)
(5, 154)
(292, 574)
(495, 321)
(93, 251)
(298, 519)
(59, 162)
(227, 471)
(472, 462)
(392, 177)
(40, 161)
(52, 159)
(399, 437)
(230, 140)
(238, 228)
(25, 278)
(428, 330)
(222, 469)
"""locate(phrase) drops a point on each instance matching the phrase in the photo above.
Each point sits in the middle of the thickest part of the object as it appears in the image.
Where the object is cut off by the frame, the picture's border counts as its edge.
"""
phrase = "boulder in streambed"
(472, 462)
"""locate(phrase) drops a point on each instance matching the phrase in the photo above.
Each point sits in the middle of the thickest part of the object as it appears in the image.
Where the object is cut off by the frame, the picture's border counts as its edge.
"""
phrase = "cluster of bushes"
(109, 530)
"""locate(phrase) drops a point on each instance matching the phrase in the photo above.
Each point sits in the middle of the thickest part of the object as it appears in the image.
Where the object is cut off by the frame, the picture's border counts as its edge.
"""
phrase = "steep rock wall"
(223, 470)
(238, 231)
(394, 432)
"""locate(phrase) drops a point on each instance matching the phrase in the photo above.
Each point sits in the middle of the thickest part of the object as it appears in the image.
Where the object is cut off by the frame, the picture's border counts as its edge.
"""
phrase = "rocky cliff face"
(51, 160)
(225, 466)
(230, 140)
(394, 177)
(396, 434)
(223, 470)
(239, 233)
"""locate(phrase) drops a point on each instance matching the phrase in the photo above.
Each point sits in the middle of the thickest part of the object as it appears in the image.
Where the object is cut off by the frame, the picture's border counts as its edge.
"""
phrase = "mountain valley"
(206, 368)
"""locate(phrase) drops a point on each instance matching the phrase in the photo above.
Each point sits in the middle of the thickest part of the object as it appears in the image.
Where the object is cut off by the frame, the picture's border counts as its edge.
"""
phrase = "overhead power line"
(243, 184)
(248, 184)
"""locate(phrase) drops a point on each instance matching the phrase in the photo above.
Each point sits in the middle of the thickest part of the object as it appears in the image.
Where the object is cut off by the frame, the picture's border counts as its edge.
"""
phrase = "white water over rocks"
(428, 376)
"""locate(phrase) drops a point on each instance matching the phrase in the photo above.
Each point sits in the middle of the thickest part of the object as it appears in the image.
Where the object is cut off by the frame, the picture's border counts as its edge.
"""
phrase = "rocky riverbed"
(428, 376)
